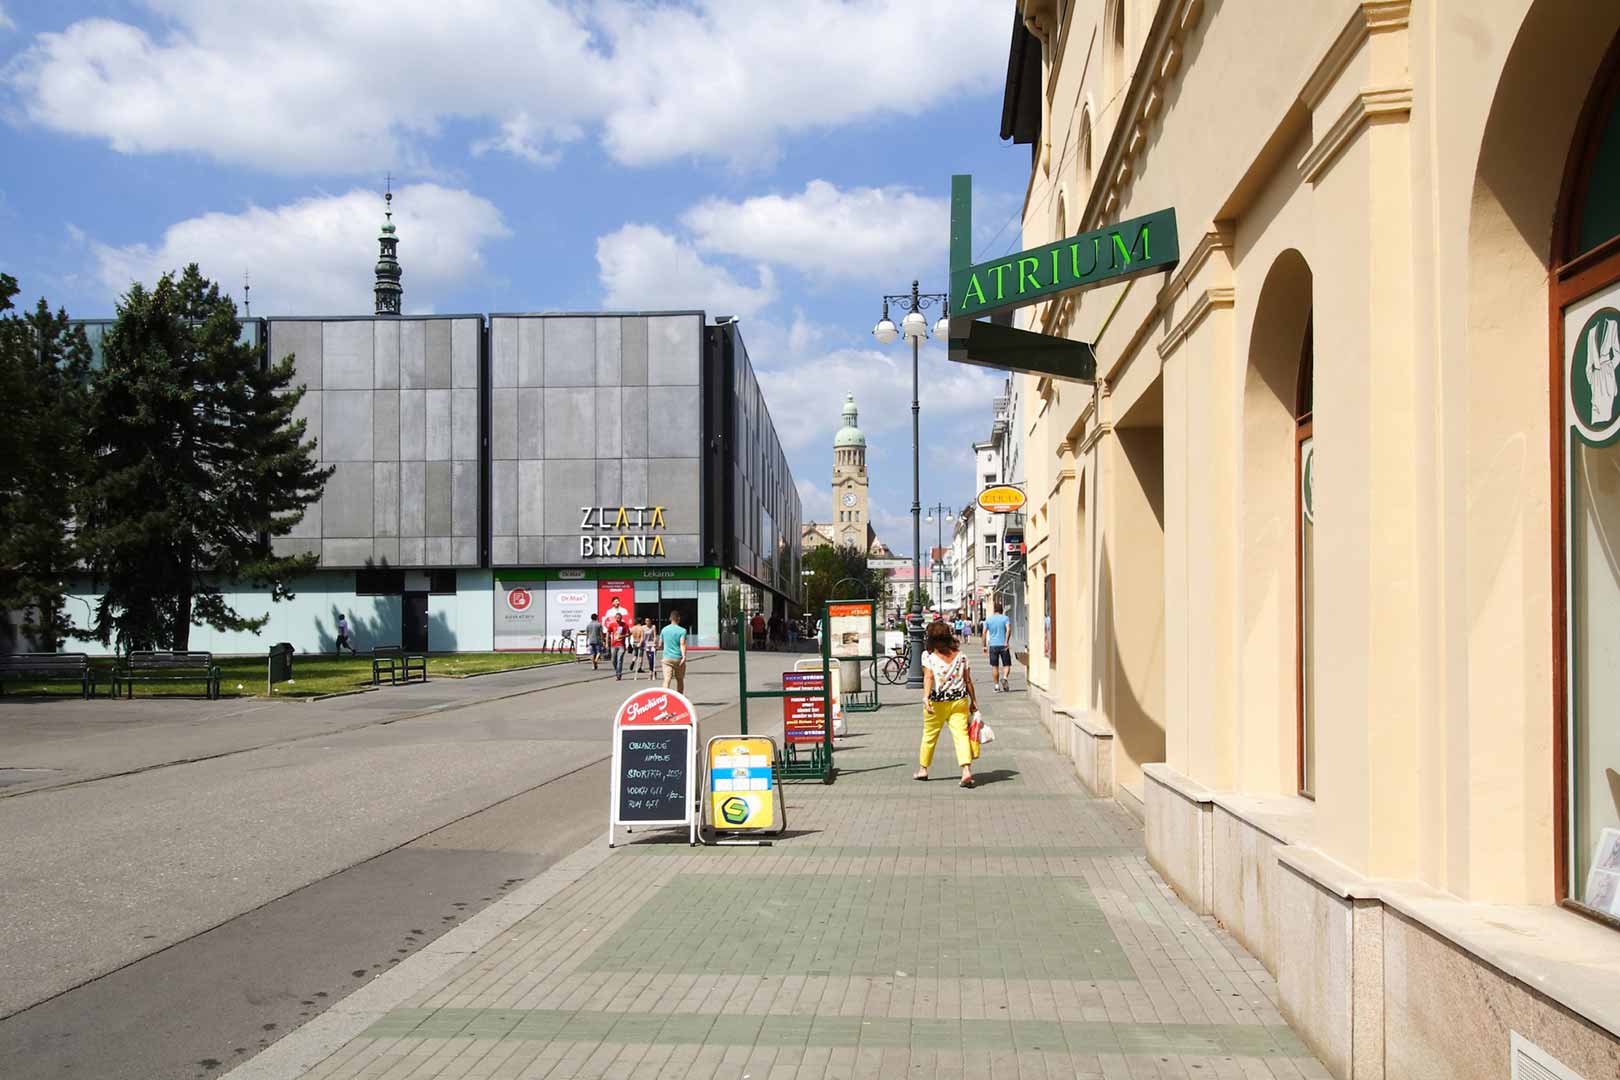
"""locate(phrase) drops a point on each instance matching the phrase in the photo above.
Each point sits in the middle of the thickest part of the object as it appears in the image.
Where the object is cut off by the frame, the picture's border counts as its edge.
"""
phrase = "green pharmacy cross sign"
(1138, 246)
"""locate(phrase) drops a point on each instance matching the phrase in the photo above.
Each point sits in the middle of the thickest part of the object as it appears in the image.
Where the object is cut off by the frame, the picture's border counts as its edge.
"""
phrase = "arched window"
(1586, 309)
(1083, 156)
(1115, 31)
(1305, 562)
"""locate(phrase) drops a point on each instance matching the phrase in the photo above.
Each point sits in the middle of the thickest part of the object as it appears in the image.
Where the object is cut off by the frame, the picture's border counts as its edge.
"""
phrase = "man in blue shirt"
(995, 640)
(673, 637)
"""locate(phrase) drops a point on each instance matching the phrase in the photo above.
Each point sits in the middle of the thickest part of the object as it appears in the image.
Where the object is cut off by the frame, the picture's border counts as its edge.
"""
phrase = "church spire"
(387, 289)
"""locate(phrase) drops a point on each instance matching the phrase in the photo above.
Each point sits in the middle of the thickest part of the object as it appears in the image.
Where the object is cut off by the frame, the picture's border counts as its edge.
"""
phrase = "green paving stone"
(1016, 926)
(492, 1024)
(685, 1028)
(636, 1028)
(835, 1031)
(881, 1031)
(785, 1031)
(1078, 1037)
(735, 1030)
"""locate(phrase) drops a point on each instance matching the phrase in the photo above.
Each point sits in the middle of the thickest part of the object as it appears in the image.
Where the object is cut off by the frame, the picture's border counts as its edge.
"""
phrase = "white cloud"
(316, 255)
(859, 233)
(5, 20)
(806, 392)
(358, 87)
(815, 501)
(644, 268)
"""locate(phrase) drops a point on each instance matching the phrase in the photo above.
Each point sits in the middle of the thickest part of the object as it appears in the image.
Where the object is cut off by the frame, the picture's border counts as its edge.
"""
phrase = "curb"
(306, 1047)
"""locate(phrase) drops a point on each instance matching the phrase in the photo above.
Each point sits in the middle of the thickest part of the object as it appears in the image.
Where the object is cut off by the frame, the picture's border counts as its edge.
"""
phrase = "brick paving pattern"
(900, 929)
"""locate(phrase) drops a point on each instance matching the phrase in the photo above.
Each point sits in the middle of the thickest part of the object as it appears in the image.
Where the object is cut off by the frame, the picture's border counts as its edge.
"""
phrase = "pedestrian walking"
(673, 637)
(652, 645)
(757, 626)
(618, 637)
(995, 642)
(593, 639)
(950, 700)
(344, 641)
(638, 646)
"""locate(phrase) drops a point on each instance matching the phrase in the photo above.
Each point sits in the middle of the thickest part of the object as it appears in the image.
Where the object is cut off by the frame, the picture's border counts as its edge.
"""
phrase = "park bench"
(152, 667)
(398, 665)
(32, 668)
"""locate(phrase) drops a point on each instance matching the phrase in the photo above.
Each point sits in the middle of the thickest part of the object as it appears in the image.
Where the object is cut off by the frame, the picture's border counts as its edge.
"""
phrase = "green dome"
(849, 434)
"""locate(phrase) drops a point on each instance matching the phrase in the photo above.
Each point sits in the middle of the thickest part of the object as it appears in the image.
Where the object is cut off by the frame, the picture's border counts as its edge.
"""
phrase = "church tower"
(387, 289)
(851, 523)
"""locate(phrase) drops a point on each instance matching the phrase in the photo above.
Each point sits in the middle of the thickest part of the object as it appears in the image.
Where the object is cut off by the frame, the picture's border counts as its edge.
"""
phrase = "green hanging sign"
(1138, 246)
(1133, 247)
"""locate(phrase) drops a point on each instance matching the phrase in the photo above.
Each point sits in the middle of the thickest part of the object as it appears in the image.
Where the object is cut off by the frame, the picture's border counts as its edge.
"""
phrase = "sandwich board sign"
(742, 785)
(654, 763)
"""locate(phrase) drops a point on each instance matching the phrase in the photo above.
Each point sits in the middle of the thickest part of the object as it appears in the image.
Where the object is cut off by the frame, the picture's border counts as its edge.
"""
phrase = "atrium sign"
(1114, 253)
(1132, 247)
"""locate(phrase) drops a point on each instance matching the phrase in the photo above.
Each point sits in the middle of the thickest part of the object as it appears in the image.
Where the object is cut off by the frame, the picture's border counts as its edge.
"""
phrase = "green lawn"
(313, 675)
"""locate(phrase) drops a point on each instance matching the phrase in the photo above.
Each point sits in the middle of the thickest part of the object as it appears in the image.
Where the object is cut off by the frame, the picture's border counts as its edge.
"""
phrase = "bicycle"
(894, 667)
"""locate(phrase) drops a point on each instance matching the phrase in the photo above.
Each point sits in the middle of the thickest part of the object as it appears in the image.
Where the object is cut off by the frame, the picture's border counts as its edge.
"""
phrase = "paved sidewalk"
(900, 929)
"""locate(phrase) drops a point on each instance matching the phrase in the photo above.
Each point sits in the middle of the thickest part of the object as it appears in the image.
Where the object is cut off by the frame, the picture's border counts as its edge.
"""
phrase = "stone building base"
(1386, 978)
(1083, 738)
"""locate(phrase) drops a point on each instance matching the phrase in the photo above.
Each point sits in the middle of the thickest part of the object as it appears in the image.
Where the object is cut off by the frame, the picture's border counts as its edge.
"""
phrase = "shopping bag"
(987, 734)
(975, 728)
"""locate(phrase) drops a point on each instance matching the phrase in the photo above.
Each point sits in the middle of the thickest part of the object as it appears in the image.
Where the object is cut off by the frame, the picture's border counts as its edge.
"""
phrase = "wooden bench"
(31, 668)
(398, 665)
(167, 667)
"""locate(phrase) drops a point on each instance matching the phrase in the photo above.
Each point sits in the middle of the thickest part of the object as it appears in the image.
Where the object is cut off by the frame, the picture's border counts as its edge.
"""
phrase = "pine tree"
(44, 369)
(198, 464)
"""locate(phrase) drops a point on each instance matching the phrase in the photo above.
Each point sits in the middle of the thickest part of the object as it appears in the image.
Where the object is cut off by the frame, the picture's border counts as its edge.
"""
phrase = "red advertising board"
(803, 715)
(624, 592)
(655, 706)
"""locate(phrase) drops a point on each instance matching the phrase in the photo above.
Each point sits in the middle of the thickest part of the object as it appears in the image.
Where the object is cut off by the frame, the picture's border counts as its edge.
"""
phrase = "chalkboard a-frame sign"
(654, 763)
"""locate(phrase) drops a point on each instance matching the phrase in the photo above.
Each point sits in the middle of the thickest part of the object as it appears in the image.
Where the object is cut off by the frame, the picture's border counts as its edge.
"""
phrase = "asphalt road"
(180, 893)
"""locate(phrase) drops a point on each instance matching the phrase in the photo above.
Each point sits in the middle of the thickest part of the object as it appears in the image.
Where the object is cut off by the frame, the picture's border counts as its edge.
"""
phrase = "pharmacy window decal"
(1593, 409)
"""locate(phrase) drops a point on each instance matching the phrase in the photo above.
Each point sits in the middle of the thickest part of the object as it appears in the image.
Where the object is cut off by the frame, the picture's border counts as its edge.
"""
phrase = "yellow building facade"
(1372, 725)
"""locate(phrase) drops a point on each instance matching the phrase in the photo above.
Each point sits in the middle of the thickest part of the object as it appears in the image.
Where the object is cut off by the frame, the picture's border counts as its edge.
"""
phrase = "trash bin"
(281, 662)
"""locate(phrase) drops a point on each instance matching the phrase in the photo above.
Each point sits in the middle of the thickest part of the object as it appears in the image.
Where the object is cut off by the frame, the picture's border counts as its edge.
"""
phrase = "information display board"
(742, 784)
(851, 627)
(654, 763)
(804, 713)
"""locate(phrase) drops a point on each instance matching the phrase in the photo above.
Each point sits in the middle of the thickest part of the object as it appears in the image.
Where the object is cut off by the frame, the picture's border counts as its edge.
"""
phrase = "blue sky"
(786, 161)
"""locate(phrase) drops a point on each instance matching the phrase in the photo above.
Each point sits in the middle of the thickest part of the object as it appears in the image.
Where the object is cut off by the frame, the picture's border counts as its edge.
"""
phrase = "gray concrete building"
(499, 478)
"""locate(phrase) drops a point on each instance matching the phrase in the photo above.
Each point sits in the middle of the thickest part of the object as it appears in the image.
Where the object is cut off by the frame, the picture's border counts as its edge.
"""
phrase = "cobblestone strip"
(899, 929)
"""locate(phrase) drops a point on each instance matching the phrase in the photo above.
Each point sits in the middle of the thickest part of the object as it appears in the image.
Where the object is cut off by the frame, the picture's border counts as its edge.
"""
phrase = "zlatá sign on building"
(634, 532)
(1001, 499)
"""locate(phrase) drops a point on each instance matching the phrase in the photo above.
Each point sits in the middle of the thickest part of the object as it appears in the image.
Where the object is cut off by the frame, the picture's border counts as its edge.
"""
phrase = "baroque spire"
(387, 289)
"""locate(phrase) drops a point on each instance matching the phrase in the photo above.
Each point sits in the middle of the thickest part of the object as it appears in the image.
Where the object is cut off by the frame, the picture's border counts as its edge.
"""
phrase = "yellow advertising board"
(1001, 499)
(742, 784)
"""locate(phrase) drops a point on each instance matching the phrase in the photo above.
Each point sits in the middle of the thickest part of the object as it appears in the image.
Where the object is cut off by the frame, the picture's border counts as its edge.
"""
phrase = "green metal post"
(742, 668)
(826, 692)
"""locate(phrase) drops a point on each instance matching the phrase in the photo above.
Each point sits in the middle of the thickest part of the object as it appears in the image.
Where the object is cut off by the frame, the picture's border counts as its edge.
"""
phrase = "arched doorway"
(1585, 302)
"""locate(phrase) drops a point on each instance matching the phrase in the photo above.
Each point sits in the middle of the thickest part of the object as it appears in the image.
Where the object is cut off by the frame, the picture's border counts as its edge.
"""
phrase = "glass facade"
(765, 513)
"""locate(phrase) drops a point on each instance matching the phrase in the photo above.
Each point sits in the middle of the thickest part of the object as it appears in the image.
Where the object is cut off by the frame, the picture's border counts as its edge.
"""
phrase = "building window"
(1586, 292)
(379, 582)
(1115, 31)
(442, 582)
(989, 478)
(1305, 568)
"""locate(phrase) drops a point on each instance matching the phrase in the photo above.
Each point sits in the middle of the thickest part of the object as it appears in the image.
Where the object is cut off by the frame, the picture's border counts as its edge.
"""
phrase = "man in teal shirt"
(995, 640)
(674, 638)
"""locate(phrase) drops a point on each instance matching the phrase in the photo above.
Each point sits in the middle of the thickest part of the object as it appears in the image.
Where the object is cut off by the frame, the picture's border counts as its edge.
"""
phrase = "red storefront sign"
(803, 713)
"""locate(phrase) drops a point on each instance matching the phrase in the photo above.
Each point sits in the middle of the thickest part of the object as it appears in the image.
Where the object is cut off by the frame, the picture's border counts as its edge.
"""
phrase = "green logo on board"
(734, 810)
(1593, 408)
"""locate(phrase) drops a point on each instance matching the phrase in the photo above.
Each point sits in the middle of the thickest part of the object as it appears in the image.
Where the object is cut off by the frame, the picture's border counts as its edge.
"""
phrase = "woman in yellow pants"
(950, 700)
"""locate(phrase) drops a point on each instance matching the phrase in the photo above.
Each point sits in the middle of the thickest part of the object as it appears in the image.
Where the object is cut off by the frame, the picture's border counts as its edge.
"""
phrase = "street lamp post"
(936, 514)
(915, 327)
